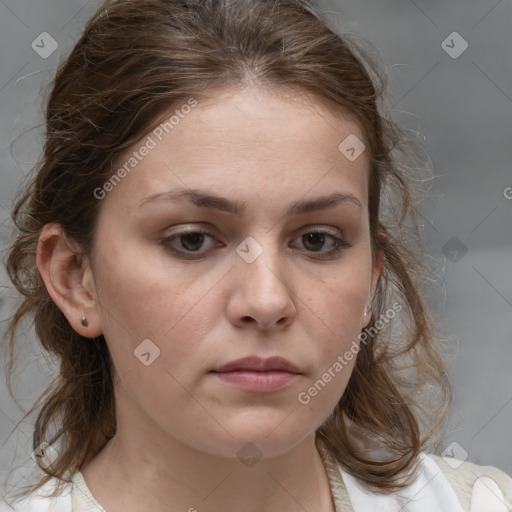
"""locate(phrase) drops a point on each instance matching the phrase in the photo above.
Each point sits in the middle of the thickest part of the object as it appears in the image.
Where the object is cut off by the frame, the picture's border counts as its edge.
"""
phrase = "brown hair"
(136, 60)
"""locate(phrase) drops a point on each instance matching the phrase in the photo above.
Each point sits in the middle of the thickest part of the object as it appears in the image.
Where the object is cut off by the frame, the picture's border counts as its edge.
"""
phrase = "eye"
(315, 240)
(189, 241)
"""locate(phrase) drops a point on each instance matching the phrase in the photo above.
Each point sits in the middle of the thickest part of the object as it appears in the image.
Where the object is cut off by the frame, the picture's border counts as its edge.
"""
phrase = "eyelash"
(339, 243)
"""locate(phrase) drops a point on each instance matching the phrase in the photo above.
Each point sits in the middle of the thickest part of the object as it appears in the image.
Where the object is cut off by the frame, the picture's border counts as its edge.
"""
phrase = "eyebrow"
(203, 199)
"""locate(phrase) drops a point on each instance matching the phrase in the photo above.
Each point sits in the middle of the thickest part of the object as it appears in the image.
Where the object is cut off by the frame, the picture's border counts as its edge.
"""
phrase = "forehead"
(250, 139)
(267, 117)
(253, 116)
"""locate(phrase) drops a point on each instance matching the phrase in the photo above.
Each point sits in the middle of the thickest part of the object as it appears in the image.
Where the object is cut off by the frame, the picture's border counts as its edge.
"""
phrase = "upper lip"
(258, 364)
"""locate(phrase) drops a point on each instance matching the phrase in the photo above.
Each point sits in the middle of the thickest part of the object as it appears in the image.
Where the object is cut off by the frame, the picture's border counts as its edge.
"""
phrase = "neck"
(133, 474)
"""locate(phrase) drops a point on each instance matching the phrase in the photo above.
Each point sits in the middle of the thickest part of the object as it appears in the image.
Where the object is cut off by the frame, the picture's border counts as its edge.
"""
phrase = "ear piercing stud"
(84, 321)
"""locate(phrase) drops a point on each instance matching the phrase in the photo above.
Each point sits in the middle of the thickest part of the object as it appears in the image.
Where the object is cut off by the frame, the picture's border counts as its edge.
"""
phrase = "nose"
(262, 294)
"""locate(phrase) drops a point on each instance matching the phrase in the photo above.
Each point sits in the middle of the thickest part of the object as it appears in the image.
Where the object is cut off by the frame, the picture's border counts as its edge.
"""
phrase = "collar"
(429, 491)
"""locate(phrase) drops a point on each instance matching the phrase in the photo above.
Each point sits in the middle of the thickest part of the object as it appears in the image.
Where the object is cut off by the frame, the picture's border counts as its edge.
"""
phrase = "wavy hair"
(135, 60)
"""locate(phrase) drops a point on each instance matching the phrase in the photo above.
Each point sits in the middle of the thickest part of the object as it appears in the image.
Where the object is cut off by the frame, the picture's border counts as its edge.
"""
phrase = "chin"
(255, 438)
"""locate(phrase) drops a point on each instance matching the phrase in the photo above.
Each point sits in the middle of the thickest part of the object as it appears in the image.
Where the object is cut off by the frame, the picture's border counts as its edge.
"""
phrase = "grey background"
(463, 108)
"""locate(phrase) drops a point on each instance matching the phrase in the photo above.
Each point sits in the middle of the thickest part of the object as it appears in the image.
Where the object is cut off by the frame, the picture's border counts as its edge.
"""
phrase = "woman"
(221, 225)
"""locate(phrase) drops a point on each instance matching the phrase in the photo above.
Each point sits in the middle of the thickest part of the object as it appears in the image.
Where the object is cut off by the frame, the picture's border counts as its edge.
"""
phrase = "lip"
(256, 374)
(258, 364)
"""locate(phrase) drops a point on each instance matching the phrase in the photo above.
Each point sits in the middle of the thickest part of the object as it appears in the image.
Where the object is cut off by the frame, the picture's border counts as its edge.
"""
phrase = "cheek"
(143, 301)
(320, 395)
(334, 315)
(339, 302)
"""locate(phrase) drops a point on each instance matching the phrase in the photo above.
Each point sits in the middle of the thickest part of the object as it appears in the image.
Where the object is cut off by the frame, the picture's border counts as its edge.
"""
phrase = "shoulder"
(429, 491)
(41, 500)
(443, 485)
(477, 487)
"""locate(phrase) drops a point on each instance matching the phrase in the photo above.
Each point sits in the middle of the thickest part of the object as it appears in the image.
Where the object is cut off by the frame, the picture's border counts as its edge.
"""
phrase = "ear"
(378, 265)
(68, 277)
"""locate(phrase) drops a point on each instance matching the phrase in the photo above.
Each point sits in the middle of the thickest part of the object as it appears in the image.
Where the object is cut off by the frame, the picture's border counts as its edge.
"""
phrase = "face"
(185, 285)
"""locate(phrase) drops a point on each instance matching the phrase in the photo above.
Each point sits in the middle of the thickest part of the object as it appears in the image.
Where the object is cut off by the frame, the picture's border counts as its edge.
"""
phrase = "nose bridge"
(261, 260)
(264, 292)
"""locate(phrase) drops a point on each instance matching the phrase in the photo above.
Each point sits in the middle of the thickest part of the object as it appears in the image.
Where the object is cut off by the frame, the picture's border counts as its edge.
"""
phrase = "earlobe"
(65, 273)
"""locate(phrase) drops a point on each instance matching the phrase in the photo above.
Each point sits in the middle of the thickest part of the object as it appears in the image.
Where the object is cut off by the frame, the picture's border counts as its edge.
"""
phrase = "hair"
(134, 61)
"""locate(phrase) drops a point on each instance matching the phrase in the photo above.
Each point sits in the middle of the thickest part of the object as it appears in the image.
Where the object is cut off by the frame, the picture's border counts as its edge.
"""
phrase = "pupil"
(314, 237)
(195, 237)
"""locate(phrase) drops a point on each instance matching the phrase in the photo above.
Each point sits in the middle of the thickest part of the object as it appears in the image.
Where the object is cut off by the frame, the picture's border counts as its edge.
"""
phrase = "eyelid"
(338, 239)
(211, 231)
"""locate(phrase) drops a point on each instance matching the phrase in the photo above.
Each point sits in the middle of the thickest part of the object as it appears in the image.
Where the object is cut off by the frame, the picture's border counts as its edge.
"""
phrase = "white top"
(430, 492)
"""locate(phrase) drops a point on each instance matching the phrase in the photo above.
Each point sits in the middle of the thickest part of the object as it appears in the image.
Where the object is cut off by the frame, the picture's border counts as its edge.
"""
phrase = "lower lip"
(262, 382)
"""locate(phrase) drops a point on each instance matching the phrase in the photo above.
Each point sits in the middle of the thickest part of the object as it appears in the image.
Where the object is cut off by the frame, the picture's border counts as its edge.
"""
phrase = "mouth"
(257, 374)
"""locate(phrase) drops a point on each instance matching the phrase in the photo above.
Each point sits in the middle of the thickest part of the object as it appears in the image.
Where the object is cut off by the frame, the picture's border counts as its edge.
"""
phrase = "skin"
(179, 426)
